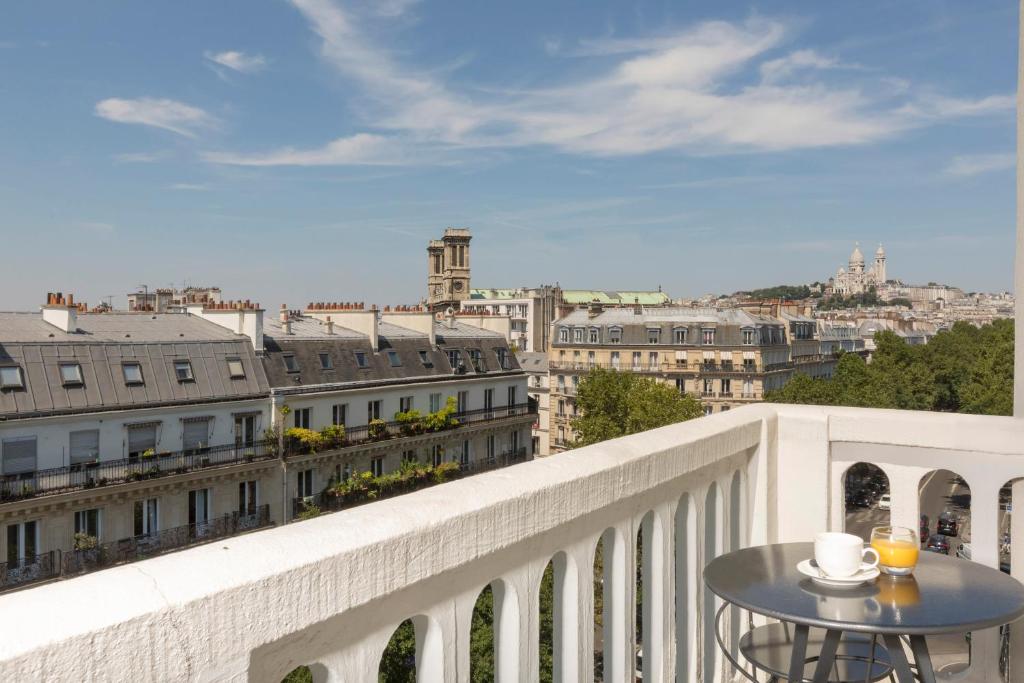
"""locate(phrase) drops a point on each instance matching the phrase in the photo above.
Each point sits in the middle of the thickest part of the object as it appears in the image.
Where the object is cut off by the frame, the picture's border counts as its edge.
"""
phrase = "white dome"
(856, 256)
(880, 251)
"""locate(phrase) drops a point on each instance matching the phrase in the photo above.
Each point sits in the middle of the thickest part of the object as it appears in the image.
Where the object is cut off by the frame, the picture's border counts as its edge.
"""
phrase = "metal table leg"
(798, 657)
(899, 659)
(827, 657)
(919, 647)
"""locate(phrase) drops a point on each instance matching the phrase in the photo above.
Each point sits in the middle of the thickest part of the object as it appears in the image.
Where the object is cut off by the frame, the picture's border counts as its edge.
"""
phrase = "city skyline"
(299, 153)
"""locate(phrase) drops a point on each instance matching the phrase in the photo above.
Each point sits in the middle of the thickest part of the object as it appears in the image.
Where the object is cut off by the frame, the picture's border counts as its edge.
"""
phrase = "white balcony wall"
(329, 592)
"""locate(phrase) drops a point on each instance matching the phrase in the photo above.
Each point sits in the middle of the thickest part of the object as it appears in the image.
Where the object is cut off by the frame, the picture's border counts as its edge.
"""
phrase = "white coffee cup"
(841, 555)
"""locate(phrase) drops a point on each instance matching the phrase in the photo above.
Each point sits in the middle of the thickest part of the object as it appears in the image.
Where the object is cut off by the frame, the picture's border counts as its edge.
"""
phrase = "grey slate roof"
(533, 361)
(107, 340)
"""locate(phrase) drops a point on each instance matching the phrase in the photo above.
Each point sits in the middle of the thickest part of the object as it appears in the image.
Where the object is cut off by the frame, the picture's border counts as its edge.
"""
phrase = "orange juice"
(897, 554)
(898, 591)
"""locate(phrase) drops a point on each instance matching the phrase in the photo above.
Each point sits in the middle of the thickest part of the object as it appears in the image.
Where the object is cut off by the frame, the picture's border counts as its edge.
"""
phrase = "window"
(410, 456)
(511, 396)
(476, 358)
(339, 414)
(680, 359)
(577, 335)
(462, 401)
(561, 383)
(393, 359)
(563, 334)
(405, 404)
(561, 436)
(708, 410)
(141, 438)
(614, 335)
(708, 336)
(590, 359)
(653, 336)
(561, 407)
(361, 360)
(490, 447)
(488, 399)
(595, 335)
(88, 522)
(377, 466)
(290, 364)
(502, 355)
(11, 378)
(425, 359)
(748, 337)
(372, 410)
(198, 512)
(304, 483)
(302, 417)
(637, 356)
(132, 373)
(245, 430)
(464, 455)
(19, 455)
(454, 359)
(435, 402)
(235, 368)
(145, 514)
(680, 335)
(195, 437)
(248, 497)
(652, 360)
(70, 374)
(22, 543)
(709, 387)
(615, 360)
(727, 386)
(436, 455)
(183, 371)
(325, 361)
(681, 385)
(84, 447)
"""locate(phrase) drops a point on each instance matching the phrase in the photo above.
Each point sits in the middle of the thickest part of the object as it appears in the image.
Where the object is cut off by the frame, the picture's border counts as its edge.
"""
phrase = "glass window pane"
(132, 373)
(10, 377)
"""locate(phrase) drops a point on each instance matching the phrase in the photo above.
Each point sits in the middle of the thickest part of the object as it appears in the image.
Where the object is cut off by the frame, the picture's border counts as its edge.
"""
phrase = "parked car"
(938, 544)
(947, 524)
(963, 551)
(885, 502)
(924, 527)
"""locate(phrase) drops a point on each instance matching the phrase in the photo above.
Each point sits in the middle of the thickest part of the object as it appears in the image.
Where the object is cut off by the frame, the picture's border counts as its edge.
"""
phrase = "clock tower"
(448, 269)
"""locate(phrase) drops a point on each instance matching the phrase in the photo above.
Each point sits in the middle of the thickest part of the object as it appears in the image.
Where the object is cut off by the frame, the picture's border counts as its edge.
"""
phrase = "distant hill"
(780, 292)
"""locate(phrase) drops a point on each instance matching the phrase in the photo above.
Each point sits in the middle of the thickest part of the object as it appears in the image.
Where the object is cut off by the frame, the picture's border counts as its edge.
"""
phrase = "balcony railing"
(669, 366)
(339, 585)
(29, 570)
(326, 502)
(106, 472)
(142, 547)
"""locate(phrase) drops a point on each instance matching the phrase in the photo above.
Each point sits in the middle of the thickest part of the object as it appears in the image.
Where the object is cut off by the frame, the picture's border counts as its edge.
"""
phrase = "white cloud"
(97, 227)
(237, 61)
(190, 187)
(976, 164)
(361, 149)
(141, 157)
(707, 90)
(393, 8)
(171, 115)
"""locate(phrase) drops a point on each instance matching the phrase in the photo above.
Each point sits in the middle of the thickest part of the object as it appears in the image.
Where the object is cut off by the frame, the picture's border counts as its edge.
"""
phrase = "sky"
(298, 150)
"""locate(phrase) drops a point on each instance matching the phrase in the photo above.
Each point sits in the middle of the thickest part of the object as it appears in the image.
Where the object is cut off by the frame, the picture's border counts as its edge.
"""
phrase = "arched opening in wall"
(398, 661)
(1006, 523)
(868, 500)
(735, 541)
(945, 528)
(612, 659)
(494, 635)
(649, 594)
(300, 674)
(546, 604)
(481, 638)
(599, 610)
(712, 549)
(685, 576)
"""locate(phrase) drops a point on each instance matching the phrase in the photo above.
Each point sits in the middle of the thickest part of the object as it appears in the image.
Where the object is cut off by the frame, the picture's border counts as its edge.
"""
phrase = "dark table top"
(944, 594)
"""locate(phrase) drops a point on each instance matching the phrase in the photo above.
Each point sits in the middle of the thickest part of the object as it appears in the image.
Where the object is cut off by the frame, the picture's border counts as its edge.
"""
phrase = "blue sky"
(290, 151)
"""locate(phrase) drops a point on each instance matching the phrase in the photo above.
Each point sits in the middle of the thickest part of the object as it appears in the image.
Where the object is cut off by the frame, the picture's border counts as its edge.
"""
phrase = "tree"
(614, 404)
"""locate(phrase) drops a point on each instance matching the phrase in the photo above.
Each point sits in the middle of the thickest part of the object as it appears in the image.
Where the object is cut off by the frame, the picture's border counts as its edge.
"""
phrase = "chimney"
(330, 325)
(595, 309)
(284, 313)
(286, 325)
(637, 308)
(60, 312)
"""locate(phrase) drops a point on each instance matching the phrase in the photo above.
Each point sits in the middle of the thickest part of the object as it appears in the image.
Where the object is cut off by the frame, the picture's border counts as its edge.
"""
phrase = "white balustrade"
(329, 592)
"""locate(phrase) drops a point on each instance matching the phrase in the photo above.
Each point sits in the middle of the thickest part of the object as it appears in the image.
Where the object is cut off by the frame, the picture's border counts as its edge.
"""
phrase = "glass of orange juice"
(897, 549)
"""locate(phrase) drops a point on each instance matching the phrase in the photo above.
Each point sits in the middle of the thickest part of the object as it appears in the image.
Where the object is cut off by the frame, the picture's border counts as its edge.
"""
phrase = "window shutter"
(141, 438)
(196, 434)
(85, 446)
(19, 455)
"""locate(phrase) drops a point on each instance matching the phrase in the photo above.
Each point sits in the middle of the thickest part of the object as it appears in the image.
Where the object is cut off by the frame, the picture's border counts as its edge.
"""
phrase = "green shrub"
(309, 511)
(377, 429)
(443, 418)
(333, 436)
(410, 422)
(297, 438)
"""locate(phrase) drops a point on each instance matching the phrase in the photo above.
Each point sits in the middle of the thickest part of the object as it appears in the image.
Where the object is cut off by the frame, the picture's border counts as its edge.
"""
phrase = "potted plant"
(377, 430)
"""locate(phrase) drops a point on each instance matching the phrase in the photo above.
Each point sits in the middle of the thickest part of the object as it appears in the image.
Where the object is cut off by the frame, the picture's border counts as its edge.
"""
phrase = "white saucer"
(866, 573)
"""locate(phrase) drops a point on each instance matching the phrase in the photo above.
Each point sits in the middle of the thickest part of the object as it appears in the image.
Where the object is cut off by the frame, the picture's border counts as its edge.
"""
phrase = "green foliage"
(309, 511)
(838, 301)
(398, 662)
(901, 301)
(481, 638)
(614, 404)
(377, 429)
(782, 292)
(300, 674)
(410, 422)
(965, 369)
(547, 624)
(444, 418)
(305, 440)
(410, 476)
(333, 436)
(83, 541)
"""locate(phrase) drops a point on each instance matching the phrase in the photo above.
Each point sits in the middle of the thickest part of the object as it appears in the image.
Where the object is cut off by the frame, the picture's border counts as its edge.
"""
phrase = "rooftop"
(627, 316)
(115, 327)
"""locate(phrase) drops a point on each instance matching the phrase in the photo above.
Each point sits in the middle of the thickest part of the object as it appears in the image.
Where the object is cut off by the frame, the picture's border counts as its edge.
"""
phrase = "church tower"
(448, 269)
(857, 260)
(880, 265)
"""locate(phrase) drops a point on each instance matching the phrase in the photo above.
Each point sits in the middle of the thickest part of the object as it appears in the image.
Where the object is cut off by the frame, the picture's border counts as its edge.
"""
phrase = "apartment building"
(535, 364)
(121, 426)
(724, 358)
(168, 299)
(124, 435)
(531, 311)
(330, 366)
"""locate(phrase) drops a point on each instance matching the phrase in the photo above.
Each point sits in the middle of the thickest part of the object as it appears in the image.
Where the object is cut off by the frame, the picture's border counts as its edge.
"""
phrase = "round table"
(944, 595)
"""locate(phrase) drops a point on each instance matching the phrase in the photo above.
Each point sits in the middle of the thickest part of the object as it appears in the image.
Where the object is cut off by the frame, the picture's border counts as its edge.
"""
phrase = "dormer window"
(577, 335)
(325, 361)
(708, 336)
(502, 355)
(235, 368)
(290, 364)
(595, 335)
(183, 371)
(653, 335)
(748, 337)
(71, 374)
(11, 377)
(563, 334)
(680, 335)
(394, 360)
(132, 373)
(614, 335)
(425, 359)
